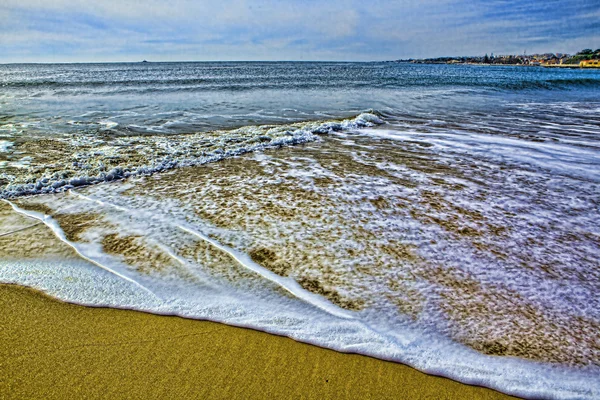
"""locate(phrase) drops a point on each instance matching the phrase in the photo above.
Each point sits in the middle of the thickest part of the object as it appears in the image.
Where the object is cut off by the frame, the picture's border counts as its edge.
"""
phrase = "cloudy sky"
(132, 30)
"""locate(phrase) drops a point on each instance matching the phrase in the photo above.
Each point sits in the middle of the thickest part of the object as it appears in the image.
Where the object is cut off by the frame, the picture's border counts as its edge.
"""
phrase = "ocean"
(441, 216)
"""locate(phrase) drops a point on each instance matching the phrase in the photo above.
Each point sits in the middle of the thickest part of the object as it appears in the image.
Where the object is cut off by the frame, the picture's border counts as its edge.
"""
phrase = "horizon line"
(143, 61)
(189, 61)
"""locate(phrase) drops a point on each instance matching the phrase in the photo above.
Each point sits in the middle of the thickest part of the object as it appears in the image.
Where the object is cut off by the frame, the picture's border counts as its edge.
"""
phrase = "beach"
(438, 217)
(57, 350)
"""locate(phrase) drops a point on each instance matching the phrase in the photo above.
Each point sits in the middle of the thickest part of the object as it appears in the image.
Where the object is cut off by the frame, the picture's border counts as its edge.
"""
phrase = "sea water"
(441, 216)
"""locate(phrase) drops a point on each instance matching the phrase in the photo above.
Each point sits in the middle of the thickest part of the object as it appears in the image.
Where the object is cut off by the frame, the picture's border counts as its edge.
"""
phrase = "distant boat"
(144, 61)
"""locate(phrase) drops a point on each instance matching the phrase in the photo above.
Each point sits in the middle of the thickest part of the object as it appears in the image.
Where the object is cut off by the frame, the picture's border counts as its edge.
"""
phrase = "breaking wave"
(58, 164)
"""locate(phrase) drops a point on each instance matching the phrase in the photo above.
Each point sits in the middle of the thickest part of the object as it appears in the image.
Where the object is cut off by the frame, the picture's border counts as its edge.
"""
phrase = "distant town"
(587, 58)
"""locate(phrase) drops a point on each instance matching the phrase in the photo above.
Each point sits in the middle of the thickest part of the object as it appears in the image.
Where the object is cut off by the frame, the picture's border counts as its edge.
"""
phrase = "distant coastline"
(586, 58)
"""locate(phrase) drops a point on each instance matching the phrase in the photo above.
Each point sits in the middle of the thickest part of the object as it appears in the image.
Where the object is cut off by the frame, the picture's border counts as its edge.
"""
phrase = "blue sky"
(132, 30)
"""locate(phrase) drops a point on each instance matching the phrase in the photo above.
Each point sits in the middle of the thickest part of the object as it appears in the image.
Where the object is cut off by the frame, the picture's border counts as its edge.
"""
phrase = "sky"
(344, 30)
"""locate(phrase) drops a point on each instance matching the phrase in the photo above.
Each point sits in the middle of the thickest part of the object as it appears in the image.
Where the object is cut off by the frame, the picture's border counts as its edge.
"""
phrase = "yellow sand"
(50, 349)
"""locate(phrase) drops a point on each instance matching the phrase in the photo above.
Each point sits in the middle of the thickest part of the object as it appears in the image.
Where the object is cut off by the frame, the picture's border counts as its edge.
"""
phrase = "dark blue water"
(187, 97)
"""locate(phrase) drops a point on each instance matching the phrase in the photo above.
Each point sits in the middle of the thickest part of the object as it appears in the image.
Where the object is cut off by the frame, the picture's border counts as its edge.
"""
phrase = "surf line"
(47, 220)
(161, 246)
(288, 284)
(245, 261)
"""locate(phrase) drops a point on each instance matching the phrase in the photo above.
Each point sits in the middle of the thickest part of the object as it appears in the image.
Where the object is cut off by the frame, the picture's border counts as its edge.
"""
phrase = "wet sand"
(50, 349)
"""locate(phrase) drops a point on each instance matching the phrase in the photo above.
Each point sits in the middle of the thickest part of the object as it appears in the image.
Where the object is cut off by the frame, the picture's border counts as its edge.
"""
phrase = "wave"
(256, 82)
(550, 84)
(86, 160)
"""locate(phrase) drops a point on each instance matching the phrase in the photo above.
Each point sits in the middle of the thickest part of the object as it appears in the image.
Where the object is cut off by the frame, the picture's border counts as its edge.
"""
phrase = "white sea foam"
(83, 283)
(5, 145)
(108, 124)
(154, 154)
(556, 157)
(55, 228)
(244, 260)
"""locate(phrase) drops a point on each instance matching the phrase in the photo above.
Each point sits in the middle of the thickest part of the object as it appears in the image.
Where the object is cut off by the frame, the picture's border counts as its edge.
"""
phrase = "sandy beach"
(52, 349)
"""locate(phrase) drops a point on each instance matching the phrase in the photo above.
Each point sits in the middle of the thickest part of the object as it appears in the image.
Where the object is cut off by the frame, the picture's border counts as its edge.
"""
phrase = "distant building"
(590, 64)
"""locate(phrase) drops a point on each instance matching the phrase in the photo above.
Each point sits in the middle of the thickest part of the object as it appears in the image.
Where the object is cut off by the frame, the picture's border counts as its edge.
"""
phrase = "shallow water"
(441, 216)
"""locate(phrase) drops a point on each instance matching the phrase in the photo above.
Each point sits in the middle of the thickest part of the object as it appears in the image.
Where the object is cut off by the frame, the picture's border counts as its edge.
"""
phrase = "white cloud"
(270, 29)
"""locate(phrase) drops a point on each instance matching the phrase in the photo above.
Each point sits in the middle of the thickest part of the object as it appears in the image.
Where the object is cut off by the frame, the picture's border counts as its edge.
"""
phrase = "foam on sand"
(271, 241)
(58, 164)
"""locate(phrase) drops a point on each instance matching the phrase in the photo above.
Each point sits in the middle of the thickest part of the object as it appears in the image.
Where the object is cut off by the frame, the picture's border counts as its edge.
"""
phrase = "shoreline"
(54, 349)
(564, 66)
